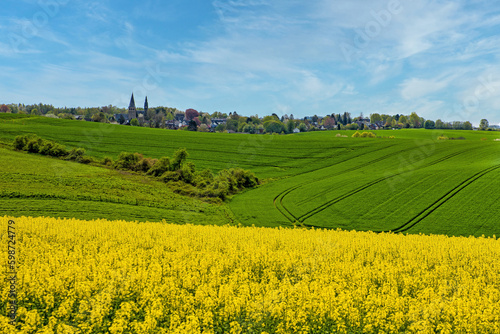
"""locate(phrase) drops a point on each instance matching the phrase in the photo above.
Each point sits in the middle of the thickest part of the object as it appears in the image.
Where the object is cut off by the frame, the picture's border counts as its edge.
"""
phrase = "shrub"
(364, 134)
(46, 147)
(144, 165)
(203, 179)
(356, 134)
(21, 141)
(126, 160)
(58, 150)
(237, 179)
(76, 154)
(442, 138)
(107, 161)
(85, 159)
(34, 144)
(179, 158)
(161, 166)
(371, 135)
(171, 176)
(187, 173)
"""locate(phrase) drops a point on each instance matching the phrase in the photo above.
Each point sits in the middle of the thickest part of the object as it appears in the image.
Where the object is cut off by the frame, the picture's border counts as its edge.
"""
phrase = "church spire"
(146, 106)
(132, 112)
(132, 102)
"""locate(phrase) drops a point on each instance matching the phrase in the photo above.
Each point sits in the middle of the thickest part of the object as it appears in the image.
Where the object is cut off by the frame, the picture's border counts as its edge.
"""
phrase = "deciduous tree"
(191, 114)
(4, 108)
(484, 124)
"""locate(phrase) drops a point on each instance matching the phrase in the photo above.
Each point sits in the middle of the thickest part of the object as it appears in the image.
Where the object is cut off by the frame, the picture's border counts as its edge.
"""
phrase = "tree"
(232, 124)
(302, 127)
(467, 125)
(35, 111)
(414, 120)
(150, 114)
(429, 124)
(248, 128)
(388, 122)
(352, 126)
(191, 113)
(457, 125)
(134, 122)
(484, 124)
(328, 122)
(403, 120)
(274, 127)
(290, 126)
(220, 128)
(192, 126)
(439, 124)
(179, 158)
(374, 118)
(4, 108)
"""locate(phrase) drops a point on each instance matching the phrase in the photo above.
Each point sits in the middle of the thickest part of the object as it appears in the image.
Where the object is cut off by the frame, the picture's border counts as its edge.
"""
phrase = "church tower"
(132, 112)
(146, 106)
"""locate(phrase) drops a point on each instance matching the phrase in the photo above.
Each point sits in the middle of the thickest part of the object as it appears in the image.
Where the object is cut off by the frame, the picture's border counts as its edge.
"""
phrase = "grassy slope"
(376, 184)
(34, 185)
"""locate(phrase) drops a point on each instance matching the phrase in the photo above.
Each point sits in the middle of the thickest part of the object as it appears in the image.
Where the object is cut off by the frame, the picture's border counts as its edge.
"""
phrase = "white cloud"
(416, 88)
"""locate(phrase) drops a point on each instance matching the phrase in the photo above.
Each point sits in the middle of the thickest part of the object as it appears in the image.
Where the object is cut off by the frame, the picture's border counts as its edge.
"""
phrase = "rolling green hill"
(413, 183)
(34, 185)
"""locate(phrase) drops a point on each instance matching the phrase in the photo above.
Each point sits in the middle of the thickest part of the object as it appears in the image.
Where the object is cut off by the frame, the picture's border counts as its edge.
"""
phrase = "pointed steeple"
(146, 106)
(132, 112)
(132, 102)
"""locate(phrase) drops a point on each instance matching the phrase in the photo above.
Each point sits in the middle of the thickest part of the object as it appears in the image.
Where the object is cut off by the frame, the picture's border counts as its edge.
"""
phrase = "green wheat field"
(412, 183)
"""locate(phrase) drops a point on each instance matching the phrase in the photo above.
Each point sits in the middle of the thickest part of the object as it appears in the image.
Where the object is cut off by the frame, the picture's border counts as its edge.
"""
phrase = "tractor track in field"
(442, 200)
(352, 169)
(324, 206)
(279, 198)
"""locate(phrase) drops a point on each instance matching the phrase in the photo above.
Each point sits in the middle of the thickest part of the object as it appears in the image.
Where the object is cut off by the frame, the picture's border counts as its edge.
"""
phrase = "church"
(132, 111)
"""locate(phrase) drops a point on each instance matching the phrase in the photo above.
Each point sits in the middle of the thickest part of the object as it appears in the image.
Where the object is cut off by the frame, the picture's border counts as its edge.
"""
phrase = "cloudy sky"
(438, 58)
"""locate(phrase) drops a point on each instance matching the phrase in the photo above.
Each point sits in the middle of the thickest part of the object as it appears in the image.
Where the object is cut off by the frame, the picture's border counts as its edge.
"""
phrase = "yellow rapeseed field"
(104, 276)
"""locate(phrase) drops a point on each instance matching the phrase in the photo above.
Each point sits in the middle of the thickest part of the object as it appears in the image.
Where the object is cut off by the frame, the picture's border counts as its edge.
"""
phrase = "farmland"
(126, 277)
(414, 183)
(33, 185)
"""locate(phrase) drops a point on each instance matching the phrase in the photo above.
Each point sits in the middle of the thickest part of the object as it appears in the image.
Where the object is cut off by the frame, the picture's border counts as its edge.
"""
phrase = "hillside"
(413, 183)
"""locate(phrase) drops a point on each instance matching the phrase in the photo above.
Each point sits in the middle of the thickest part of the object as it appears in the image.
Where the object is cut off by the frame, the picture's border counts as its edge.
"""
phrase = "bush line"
(179, 173)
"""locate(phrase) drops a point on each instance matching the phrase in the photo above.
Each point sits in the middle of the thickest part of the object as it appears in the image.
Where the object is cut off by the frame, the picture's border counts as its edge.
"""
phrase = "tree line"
(158, 117)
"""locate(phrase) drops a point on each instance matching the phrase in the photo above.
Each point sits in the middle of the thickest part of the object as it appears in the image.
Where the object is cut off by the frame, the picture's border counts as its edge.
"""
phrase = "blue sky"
(437, 58)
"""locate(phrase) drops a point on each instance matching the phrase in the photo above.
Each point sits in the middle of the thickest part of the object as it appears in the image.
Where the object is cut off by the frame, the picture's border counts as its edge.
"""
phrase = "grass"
(33, 185)
(414, 183)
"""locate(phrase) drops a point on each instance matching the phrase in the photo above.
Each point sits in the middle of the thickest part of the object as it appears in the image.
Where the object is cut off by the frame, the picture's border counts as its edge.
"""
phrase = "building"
(132, 111)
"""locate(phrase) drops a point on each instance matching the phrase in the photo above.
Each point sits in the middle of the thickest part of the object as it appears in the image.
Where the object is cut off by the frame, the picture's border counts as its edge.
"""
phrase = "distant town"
(193, 120)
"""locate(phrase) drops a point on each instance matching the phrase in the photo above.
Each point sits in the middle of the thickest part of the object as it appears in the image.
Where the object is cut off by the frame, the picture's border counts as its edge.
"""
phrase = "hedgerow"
(180, 174)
